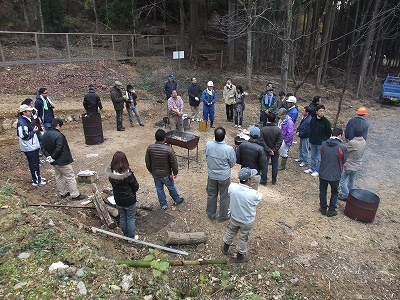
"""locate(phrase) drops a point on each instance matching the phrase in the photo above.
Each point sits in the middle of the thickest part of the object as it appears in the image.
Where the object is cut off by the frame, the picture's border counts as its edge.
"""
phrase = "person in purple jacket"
(286, 125)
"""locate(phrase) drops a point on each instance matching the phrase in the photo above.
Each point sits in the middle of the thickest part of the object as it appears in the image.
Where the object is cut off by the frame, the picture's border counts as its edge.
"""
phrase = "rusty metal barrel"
(361, 205)
(92, 128)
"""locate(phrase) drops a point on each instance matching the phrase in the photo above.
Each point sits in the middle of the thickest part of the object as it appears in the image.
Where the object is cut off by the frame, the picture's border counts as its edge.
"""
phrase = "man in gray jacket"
(220, 159)
(333, 157)
(118, 101)
(162, 164)
(355, 148)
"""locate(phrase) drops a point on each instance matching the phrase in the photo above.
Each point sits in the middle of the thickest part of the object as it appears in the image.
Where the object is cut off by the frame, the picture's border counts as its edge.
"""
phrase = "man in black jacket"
(118, 101)
(92, 101)
(58, 154)
(251, 154)
(272, 136)
(194, 92)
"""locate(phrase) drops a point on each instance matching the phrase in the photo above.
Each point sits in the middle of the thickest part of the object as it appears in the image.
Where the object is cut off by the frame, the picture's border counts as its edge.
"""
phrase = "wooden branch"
(174, 263)
(102, 210)
(190, 238)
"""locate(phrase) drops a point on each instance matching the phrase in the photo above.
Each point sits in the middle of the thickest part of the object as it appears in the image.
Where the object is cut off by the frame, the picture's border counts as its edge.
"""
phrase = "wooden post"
(2, 56)
(37, 48)
(91, 45)
(133, 48)
(69, 53)
(113, 47)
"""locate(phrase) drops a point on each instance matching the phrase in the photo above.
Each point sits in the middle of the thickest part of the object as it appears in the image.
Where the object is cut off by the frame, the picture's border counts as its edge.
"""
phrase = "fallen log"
(112, 211)
(60, 205)
(174, 263)
(189, 238)
(102, 210)
(94, 229)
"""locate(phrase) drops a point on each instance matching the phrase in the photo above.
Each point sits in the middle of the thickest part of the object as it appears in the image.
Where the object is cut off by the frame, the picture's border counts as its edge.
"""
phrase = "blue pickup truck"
(391, 90)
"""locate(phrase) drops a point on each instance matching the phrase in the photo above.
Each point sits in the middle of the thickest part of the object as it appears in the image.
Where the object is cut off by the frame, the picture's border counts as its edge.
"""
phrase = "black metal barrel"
(361, 205)
(92, 128)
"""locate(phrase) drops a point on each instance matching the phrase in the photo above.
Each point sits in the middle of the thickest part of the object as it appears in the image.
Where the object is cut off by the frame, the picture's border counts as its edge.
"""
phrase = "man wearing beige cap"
(29, 143)
(118, 101)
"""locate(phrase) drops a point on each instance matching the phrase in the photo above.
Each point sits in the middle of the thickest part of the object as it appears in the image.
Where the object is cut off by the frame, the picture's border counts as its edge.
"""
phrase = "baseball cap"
(118, 83)
(254, 131)
(246, 173)
(171, 75)
(91, 87)
(25, 107)
(210, 83)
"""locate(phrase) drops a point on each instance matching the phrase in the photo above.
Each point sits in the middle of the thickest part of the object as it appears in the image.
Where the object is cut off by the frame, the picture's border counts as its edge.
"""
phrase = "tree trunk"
(194, 25)
(182, 24)
(189, 238)
(249, 61)
(331, 21)
(95, 17)
(231, 32)
(41, 15)
(314, 35)
(286, 45)
(324, 42)
(367, 48)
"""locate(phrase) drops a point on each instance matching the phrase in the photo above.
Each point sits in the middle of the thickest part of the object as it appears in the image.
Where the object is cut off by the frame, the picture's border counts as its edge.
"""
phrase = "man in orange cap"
(357, 121)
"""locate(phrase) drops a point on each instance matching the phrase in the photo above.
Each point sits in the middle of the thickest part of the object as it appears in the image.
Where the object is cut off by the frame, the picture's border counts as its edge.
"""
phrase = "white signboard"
(178, 54)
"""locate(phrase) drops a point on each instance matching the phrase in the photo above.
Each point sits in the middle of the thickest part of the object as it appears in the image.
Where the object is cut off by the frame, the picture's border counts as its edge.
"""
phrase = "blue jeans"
(213, 187)
(33, 161)
(315, 157)
(133, 108)
(275, 162)
(238, 117)
(323, 187)
(347, 182)
(303, 150)
(173, 192)
(127, 220)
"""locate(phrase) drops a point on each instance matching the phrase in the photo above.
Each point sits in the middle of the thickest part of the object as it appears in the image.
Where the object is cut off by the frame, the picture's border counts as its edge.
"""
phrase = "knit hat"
(246, 173)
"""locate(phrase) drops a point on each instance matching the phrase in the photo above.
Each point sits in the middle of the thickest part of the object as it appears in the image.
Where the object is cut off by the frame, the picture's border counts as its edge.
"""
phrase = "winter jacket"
(161, 160)
(131, 96)
(272, 136)
(220, 159)
(28, 140)
(320, 130)
(304, 127)
(55, 145)
(333, 156)
(293, 113)
(194, 90)
(92, 102)
(239, 99)
(117, 98)
(287, 128)
(263, 106)
(207, 98)
(124, 186)
(357, 121)
(251, 154)
(169, 86)
(45, 115)
(355, 149)
(229, 94)
(313, 109)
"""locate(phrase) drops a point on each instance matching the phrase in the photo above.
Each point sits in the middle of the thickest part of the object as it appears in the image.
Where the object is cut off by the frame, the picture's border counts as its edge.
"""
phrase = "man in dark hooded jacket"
(333, 156)
(118, 101)
(251, 154)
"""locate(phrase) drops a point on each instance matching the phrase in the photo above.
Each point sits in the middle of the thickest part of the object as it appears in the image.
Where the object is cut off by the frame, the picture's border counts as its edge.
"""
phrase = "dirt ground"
(320, 257)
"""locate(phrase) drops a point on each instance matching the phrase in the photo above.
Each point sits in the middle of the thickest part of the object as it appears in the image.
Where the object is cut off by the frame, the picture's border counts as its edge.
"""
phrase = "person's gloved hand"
(49, 159)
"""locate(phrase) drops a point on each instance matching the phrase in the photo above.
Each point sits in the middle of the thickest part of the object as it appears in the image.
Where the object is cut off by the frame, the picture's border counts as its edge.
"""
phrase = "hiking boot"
(331, 213)
(65, 196)
(225, 248)
(322, 210)
(79, 197)
(241, 258)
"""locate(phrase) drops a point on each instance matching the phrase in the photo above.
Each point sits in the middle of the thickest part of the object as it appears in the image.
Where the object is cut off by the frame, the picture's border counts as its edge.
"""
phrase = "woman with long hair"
(125, 186)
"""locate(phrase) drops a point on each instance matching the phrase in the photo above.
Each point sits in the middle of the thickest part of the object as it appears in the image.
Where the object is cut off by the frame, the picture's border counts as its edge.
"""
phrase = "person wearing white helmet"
(292, 109)
(209, 98)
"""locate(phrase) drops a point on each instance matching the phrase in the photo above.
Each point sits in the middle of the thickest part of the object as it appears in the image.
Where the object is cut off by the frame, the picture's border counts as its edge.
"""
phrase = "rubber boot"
(225, 248)
(212, 124)
(283, 163)
(241, 258)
